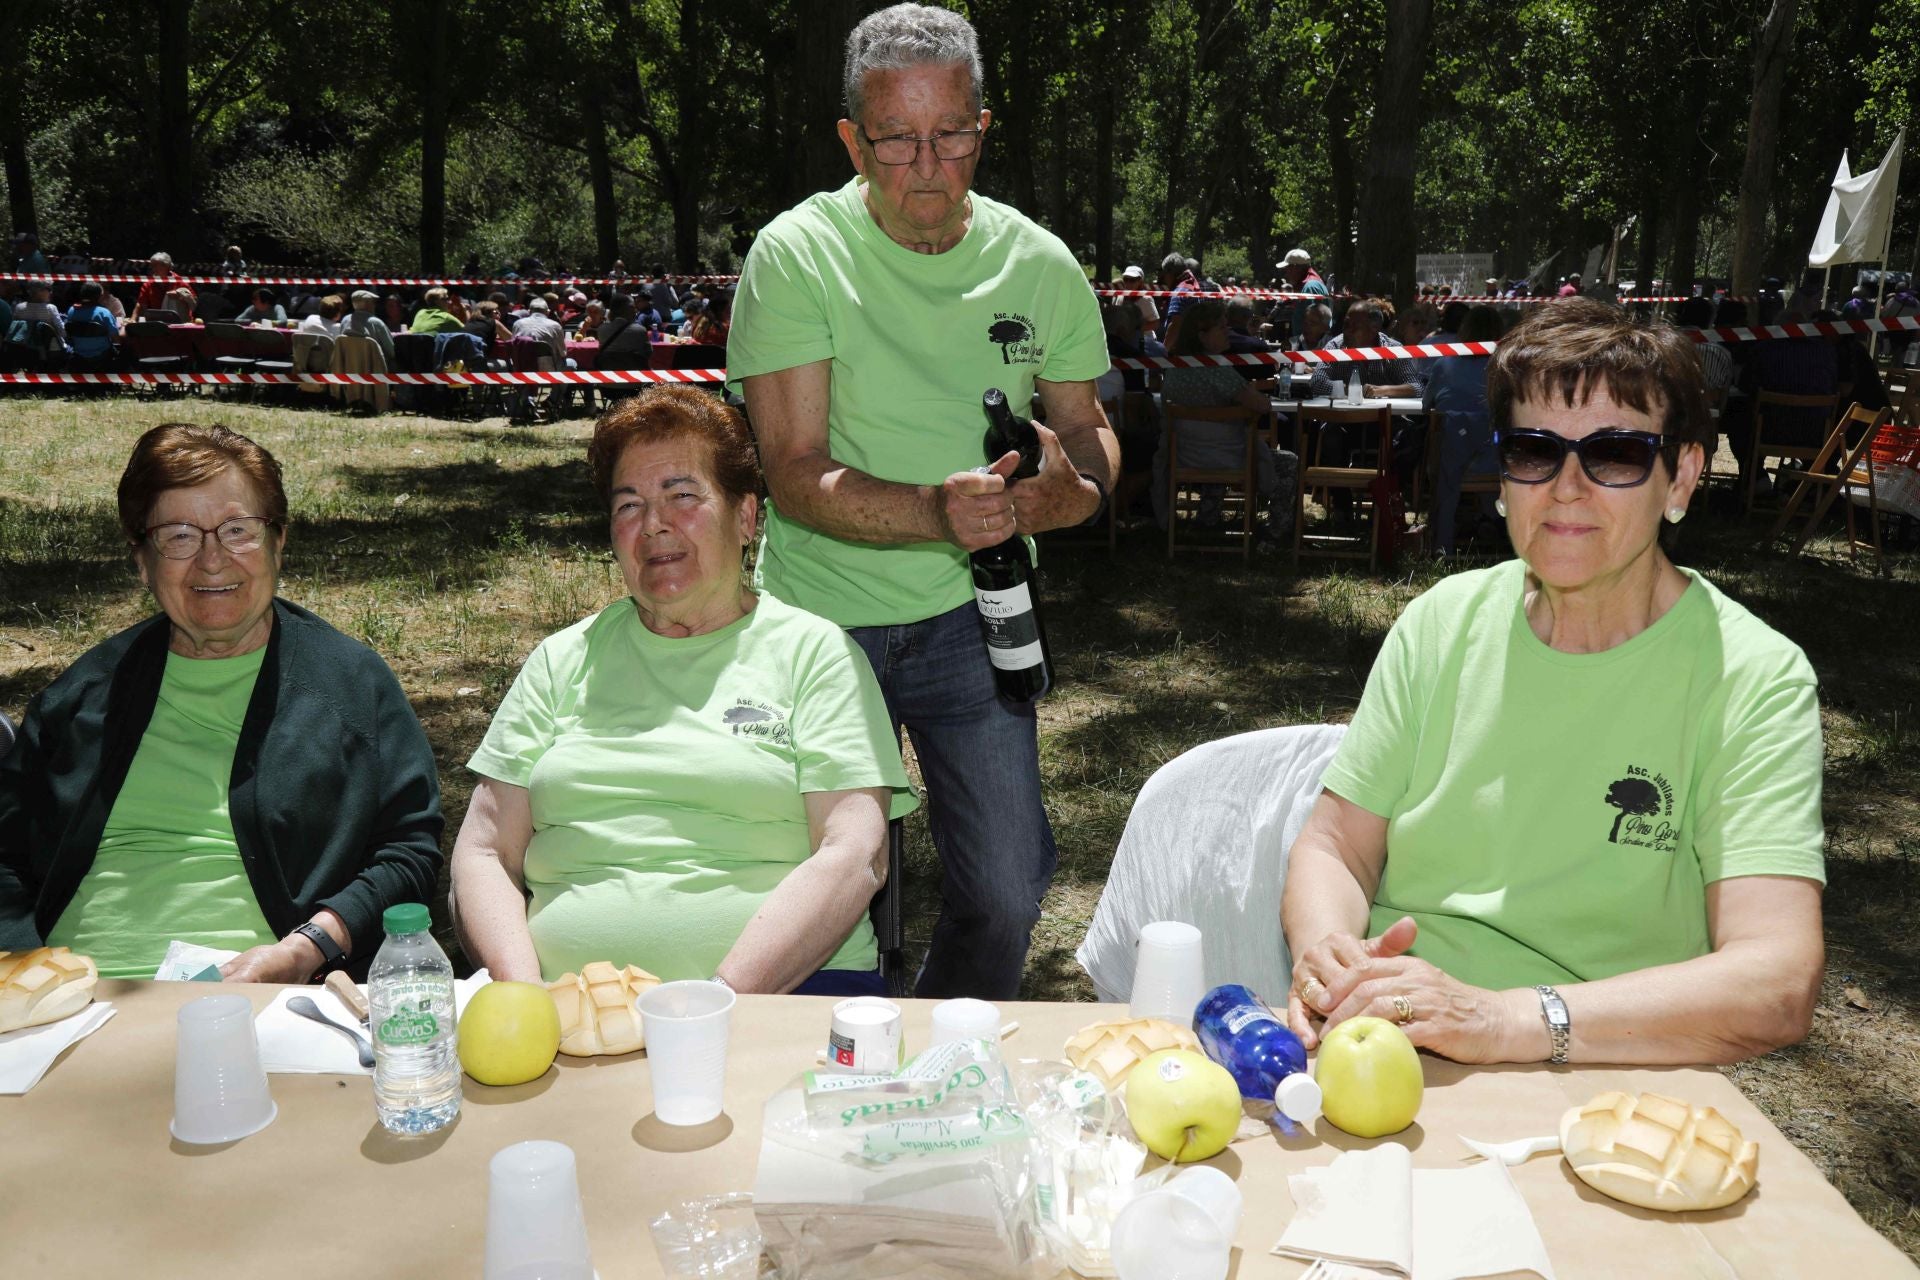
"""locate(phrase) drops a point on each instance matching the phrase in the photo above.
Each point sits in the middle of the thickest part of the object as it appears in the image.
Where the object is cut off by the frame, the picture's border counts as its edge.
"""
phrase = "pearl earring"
(1676, 514)
(1500, 505)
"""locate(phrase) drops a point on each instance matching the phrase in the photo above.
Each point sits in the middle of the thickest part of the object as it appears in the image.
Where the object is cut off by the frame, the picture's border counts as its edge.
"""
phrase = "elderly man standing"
(869, 321)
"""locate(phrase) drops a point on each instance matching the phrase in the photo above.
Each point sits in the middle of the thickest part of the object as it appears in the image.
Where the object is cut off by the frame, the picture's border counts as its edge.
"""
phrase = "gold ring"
(1402, 1009)
(1306, 990)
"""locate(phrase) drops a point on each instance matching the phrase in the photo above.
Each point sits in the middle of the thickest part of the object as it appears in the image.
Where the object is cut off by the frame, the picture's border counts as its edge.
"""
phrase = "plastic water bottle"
(416, 1066)
(1267, 1061)
(1354, 389)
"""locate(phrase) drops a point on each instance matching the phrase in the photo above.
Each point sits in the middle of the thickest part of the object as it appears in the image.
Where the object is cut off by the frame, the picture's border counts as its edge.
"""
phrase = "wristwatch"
(331, 956)
(1102, 508)
(716, 978)
(1559, 1026)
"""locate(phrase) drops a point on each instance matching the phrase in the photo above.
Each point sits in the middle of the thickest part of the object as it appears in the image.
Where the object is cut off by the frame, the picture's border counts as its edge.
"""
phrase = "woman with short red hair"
(232, 773)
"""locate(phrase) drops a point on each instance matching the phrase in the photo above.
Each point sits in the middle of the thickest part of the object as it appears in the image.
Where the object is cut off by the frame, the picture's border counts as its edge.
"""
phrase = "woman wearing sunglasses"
(1577, 814)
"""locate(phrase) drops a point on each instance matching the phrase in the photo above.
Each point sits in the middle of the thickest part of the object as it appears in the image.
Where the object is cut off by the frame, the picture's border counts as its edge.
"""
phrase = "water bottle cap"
(408, 917)
(1298, 1098)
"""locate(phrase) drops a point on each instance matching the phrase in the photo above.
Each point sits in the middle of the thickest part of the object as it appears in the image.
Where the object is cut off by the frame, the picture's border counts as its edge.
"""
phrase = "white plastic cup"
(1184, 1230)
(685, 1024)
(219, 1087)
(865, 1036)
(964, 1019)
(1169, 974)
(536, 1229)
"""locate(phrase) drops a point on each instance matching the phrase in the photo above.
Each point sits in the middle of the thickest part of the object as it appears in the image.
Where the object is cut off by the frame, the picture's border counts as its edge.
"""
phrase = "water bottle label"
(1243, 1016)
(410, 1024)
(1013, 634)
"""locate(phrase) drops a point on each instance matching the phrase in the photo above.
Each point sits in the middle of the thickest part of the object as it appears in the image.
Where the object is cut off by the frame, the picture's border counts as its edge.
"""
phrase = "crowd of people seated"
(38, 317)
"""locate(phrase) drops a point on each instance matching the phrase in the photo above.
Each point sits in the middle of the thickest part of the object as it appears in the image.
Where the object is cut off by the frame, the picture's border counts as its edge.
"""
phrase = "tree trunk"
(433, 139)
(824, 25)
(1687, 184)
(1387, 229)
(174, 121)
(606, 212)
(689, 137)
(13, 154)
(1648, 266)
(1338, 108)
(1103, 112)
(1176, 158)
(1771, 52)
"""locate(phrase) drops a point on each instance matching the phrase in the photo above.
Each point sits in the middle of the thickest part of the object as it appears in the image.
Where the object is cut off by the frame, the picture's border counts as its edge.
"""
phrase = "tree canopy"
(400, 134)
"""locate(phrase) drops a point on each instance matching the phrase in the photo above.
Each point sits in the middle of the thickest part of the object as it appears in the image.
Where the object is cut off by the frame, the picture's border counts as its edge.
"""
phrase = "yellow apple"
(1369, 1076)
(1183, 1105)
(509, 1033)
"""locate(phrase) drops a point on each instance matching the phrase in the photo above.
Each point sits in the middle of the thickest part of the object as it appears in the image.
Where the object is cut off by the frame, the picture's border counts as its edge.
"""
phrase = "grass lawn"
(453, 547)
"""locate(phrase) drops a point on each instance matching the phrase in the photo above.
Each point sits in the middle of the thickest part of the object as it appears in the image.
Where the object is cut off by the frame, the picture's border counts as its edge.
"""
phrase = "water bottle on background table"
(416, 1066)
(1268, 1062)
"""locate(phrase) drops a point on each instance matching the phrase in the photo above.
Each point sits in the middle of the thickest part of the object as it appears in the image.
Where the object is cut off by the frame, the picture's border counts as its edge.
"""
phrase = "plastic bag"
(934, 1171)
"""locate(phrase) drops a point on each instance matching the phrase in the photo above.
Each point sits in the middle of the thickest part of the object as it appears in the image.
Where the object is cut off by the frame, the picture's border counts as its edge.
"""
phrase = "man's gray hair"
(908, 35)
(1174, 262)
(1322, 310)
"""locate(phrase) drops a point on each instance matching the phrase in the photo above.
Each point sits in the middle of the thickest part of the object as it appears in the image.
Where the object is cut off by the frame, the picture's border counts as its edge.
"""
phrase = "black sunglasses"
(1613, 457)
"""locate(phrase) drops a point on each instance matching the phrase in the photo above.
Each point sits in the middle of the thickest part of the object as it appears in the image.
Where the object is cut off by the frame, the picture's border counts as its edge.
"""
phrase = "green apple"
(1369, 1076)
(1183, 1105)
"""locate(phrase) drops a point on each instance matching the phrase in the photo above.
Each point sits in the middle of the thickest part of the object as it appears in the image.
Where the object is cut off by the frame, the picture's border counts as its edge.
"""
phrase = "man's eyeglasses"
(904, 148)
(182, 541)
(1615, 457)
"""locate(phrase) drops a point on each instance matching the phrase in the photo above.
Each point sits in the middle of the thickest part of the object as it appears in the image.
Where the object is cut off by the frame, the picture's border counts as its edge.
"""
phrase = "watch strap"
(331, 956)
(1102, 508)
(1553, 1011)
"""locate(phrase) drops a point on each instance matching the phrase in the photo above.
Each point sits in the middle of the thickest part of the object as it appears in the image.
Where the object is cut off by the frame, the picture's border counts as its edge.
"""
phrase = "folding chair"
(1184, 483)
(1855, 470)
(149, 348)
(1360, 480)
(1774, 404)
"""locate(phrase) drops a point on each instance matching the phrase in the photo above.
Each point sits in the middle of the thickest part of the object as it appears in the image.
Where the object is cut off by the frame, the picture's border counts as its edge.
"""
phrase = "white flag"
(1859, 210)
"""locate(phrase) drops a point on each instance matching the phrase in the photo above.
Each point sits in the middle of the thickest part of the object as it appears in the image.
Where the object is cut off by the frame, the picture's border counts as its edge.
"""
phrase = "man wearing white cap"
(1135, 277)
(1297, 268)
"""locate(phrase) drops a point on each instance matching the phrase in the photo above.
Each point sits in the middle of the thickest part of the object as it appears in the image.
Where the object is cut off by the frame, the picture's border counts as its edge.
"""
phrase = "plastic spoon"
(306, 1008)
(1518, 1151)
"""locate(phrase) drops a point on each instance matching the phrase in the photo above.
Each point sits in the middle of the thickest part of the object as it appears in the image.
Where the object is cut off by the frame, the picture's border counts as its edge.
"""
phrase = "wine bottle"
(1006, 433)
(1004, 585)
(1004, 588)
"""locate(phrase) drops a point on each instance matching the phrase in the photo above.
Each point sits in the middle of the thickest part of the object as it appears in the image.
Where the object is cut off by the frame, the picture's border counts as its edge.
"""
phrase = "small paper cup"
(219, 1087)
(1169, 977)
(685, 1024)
(1182, 1231)
(535, 1225)
(964, 1019)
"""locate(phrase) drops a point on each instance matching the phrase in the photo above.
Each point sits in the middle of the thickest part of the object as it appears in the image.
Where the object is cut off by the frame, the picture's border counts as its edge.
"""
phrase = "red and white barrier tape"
(343, 282)
(1229, 293)
(569, 377)
(1333, 355)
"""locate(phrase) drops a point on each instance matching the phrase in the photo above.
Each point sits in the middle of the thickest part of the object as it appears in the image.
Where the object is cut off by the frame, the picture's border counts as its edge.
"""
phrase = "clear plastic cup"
(219, 1087)
(964, 1019)
(536, 1229)
(1184, 1230)
(1169, 974)
(685, 1024)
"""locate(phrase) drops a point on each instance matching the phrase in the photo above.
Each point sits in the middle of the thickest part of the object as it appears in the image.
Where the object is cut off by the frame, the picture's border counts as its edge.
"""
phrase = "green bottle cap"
(407, 917)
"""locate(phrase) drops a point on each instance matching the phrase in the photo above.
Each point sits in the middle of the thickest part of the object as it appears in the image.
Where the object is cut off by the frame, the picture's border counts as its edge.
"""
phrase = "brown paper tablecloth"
(94, 1185)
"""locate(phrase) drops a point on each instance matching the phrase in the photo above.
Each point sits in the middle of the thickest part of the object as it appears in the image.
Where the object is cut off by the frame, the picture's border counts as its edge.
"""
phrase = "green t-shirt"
(168, 865)
(915, 340)
(665, 777)
(1556, 817)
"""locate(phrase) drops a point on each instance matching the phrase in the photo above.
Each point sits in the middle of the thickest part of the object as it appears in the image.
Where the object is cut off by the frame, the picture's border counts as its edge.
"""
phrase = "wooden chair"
(1854, 471)
(1426, 480)
(1765, 405)
(1356, 479)
(1709, 477)
(1242, 481)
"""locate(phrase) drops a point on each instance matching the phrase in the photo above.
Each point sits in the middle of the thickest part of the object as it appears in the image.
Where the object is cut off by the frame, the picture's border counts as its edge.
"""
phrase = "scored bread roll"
(43, 985)
(1110, 1049)
(1658, 1152)
(597, 1016)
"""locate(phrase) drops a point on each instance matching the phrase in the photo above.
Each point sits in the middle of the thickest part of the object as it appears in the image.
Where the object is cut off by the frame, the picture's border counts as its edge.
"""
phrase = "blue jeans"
(980, 759)
(842, 982)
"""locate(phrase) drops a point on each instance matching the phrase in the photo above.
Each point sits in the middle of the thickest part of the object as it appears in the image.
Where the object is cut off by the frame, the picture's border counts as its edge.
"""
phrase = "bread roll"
(1658, 1152)
(43, 985)
(597, 1016)
(1110, 1049)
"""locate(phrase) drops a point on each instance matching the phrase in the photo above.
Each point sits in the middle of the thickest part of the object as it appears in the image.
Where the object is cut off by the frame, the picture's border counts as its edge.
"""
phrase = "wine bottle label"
(1013, 634)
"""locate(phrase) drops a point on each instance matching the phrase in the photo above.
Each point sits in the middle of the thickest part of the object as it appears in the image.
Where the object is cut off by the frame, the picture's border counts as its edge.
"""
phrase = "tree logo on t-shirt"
(752, 718)
(1639, 796)
(1014, 334)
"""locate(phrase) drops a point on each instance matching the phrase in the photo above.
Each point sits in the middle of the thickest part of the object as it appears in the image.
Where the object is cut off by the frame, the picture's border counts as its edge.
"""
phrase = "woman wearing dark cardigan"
(233, 773)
